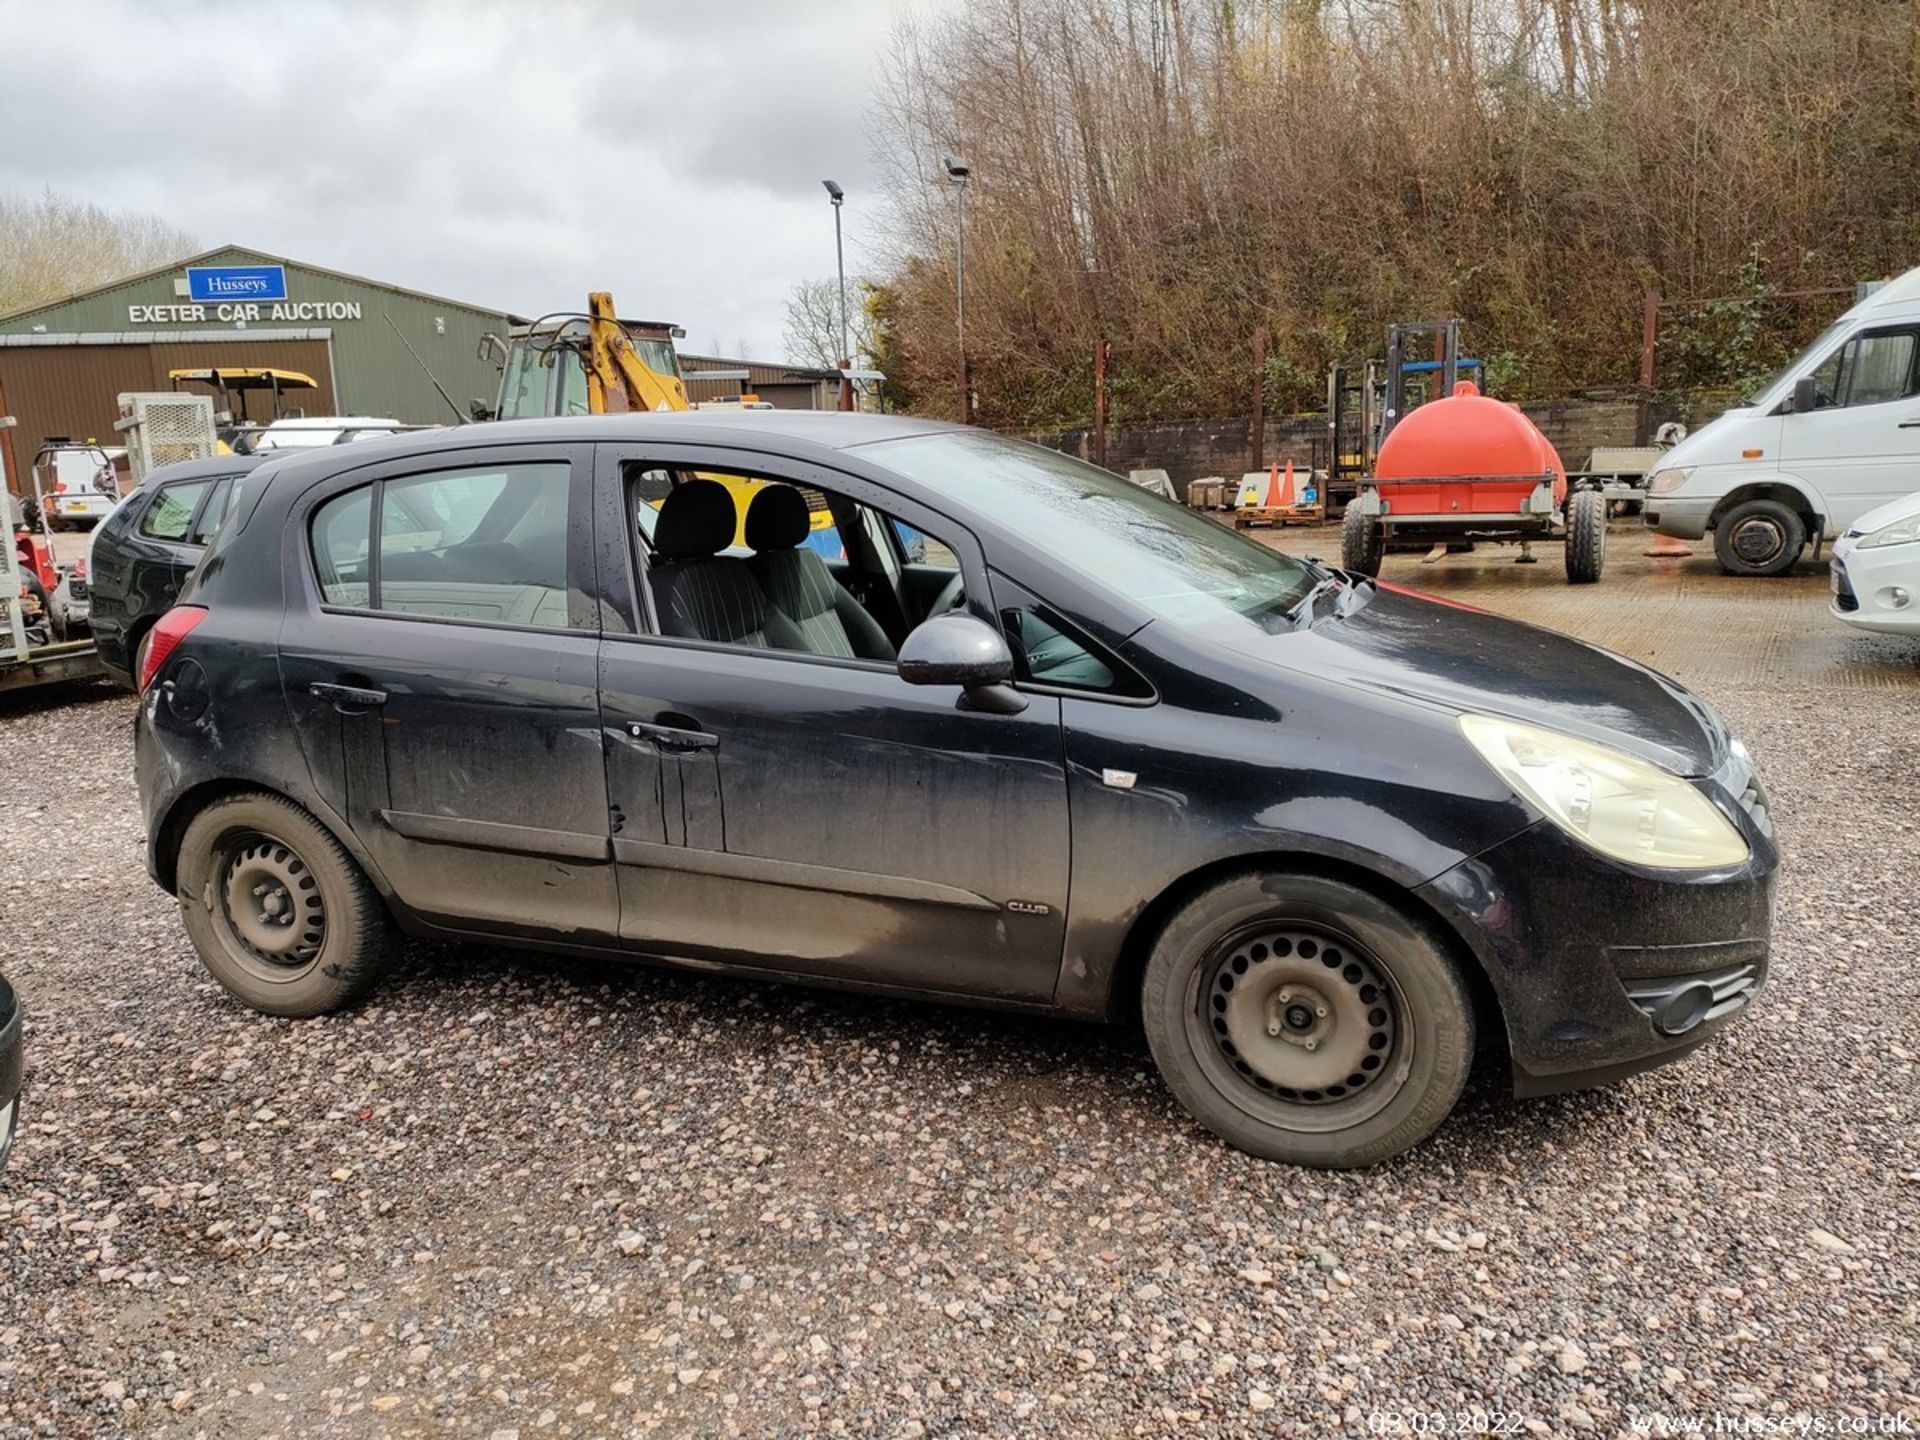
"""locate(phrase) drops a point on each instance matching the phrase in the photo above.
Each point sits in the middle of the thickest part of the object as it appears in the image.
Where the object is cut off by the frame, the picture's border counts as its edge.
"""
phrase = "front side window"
(526, 382)
(1881, 368)
(1049, 649)
(171, 514)
(484, 544)
(1869, 369)
(1180, 565)
(764, 564)
(922, 549)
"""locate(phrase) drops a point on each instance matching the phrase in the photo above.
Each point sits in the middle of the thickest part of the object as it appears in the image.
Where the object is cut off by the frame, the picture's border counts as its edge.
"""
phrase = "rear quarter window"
(170, 513)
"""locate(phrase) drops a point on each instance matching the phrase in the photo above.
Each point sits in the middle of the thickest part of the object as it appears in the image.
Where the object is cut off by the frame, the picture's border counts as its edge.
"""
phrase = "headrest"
(778, 518)
(696, 519)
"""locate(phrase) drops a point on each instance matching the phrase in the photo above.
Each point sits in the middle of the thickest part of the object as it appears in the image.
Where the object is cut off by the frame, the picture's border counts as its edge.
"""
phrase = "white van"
(1832, 436)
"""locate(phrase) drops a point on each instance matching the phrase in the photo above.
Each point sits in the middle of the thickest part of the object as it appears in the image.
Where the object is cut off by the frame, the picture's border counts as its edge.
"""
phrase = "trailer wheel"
(1586, 536)
(1361, 541)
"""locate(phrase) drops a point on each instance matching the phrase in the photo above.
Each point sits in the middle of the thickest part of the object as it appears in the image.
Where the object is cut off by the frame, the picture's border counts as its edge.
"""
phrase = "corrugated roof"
(207, 255)
(763, 370)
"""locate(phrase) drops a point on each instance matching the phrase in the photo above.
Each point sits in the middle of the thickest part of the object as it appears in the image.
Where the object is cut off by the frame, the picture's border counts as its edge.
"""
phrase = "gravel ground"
(512, 1197)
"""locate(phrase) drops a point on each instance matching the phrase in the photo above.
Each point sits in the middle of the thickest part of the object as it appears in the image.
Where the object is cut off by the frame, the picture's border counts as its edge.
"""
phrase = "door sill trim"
(794, 875)
(493, 835)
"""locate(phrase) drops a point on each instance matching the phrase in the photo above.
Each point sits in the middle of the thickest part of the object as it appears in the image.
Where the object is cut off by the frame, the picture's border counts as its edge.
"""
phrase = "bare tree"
(1171, 177)
(52, 246)
(813, 323)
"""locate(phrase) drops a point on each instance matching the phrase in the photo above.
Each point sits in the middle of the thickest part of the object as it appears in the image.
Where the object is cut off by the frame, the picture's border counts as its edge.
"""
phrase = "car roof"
(211, 468)
(794, 432)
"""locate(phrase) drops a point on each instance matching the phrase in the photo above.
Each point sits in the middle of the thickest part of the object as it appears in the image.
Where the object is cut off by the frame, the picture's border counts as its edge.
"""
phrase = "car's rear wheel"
(1303, 1019)
(277, 909)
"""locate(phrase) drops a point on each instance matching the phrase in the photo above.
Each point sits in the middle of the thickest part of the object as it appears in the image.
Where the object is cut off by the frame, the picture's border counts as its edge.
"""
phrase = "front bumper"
(11, 1067)
(1683, 516)
(1867, 586)
(1601, 971)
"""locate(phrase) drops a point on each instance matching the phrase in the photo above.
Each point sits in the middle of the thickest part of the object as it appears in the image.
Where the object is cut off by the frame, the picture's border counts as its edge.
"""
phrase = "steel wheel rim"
(267, 904)
(1759, 540)
(1265, 991)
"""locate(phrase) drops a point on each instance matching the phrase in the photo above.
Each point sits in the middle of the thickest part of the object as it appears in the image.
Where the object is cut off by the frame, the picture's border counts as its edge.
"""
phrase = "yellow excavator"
(597, 364)
(590, 364)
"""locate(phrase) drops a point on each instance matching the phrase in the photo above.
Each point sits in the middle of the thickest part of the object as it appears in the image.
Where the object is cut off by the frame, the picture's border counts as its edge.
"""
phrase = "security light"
(957, 168)
(834, 190)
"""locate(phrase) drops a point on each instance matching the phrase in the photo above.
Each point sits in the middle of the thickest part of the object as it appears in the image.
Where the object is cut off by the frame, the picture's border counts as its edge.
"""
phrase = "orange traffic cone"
(1280, 493)
(1666, 547)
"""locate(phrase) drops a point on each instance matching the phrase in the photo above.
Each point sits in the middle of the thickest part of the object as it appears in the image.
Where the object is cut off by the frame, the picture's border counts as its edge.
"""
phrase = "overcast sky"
(508, 155)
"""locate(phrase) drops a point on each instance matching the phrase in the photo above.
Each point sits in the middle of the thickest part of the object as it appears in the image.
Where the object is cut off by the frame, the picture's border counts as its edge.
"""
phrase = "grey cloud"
(507, 154)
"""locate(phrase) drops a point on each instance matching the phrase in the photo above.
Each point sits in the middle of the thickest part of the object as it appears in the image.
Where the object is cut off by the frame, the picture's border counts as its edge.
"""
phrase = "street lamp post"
(957, 173)
(837, 196)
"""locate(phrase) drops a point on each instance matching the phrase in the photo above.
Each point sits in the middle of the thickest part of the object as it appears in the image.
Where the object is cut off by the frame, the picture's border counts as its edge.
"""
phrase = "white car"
(1876, 569)
(306, 431)
(74, 483)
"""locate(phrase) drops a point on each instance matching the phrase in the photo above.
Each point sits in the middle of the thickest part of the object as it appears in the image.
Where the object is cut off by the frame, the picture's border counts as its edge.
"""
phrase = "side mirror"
(1806, 395)
(963, 650)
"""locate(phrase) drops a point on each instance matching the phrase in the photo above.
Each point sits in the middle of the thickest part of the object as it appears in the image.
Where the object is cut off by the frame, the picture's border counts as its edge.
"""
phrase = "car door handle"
(668, 738)
(348, 698)
(1910, 424)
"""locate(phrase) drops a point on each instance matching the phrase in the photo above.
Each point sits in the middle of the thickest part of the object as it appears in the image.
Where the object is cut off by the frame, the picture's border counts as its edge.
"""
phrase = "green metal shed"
(63, 364)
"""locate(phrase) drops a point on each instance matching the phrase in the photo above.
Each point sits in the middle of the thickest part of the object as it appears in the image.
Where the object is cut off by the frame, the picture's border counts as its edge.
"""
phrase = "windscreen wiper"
(1301, 611)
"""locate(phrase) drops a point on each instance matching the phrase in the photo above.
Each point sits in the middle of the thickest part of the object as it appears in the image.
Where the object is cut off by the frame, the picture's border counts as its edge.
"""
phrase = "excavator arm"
(618, 380)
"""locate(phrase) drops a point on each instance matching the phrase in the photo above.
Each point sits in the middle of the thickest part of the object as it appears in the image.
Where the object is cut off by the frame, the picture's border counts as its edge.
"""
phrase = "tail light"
(60, 487)
(79, 568)
(172, 628)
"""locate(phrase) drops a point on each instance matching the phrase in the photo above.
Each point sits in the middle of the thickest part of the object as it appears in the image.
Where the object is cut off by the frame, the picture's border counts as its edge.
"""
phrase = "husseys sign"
(240, 293)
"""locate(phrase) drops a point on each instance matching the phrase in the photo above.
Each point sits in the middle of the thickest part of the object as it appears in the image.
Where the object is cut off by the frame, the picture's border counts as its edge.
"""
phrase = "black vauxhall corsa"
(886, 704)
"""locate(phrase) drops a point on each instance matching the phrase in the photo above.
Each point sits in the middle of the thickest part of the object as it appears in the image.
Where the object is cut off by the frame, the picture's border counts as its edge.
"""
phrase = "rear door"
(441, 675)
(820, 815)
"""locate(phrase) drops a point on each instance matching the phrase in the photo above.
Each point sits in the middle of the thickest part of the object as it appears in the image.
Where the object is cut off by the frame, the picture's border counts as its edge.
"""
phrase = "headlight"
(1624, 808)
(1900, 532)
(1665, 482)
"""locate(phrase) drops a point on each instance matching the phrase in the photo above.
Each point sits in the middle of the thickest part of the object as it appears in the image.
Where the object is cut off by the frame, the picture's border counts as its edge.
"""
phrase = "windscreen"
(1178, 564)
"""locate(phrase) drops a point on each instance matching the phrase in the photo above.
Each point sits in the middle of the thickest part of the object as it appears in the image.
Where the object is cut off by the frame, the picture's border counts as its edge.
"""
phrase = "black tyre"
(1306, 1020)
(1586, 536)
(281, 915)
(1361, 541)
(1759, 537)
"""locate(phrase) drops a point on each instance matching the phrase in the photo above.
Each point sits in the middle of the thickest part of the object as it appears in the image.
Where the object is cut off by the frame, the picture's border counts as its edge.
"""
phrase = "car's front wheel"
(1303, 1019)
(1759, 537)
(278, 911)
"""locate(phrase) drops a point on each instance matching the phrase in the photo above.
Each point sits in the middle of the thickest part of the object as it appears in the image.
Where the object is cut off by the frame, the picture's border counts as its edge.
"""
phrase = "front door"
(1861, 447)
(816, 814)
(442, 682)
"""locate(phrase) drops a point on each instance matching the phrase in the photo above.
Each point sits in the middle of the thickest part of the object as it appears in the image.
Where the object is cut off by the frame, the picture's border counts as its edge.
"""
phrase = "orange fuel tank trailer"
(1467, 467)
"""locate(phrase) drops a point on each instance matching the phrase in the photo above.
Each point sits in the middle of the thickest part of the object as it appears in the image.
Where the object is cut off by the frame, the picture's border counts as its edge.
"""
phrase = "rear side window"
(213, 512)
(170, 515)
(485, 544)
(341, 529)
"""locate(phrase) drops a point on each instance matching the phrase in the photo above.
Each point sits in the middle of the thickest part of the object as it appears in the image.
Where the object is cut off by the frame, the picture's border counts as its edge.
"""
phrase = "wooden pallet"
(1278, 515)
